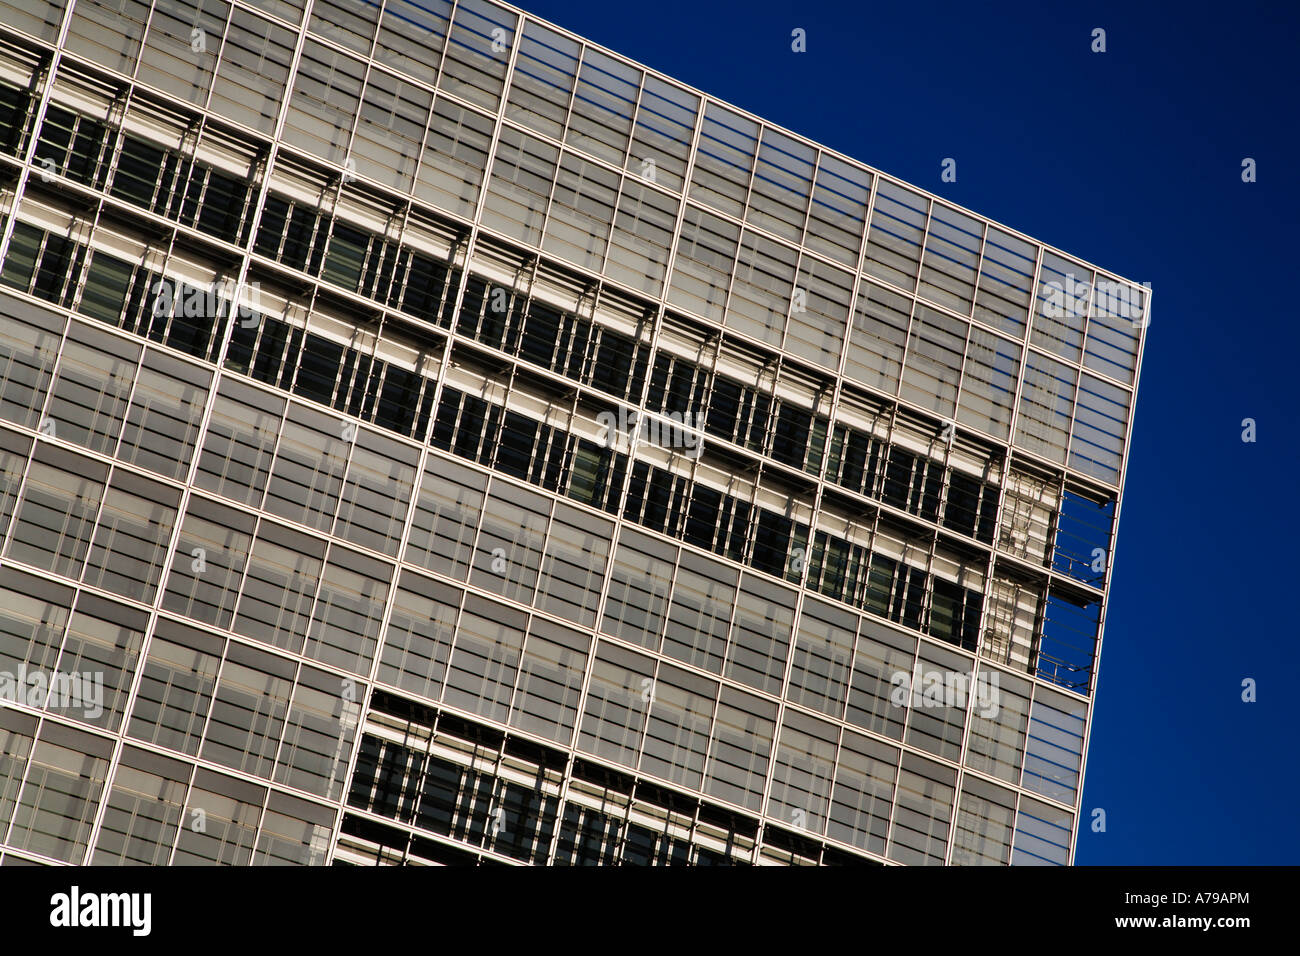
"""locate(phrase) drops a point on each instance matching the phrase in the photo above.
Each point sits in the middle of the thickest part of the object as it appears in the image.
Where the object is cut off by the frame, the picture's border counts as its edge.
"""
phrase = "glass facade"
(428, 438)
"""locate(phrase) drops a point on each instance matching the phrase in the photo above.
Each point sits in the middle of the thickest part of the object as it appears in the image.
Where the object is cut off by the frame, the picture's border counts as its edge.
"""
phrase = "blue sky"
(1130, 159)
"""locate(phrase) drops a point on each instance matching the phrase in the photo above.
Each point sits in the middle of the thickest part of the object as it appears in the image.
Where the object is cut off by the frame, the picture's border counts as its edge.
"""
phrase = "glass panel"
(1046, 405)
(454, 157)
(477, 53)
(801, 779)
(522, 173)
(417, 641)
(894, 239)
(1006, 278)
(485, 659)
(782, 185)
(933, 364)
(741, 748)
(724, 160)
(130, 546)
(661, 140)
(542, 83)
(602, 107)
(254, 69)
(170, 61)
(581, 212)
(325, 99)
(988, 384)
(1100, 421)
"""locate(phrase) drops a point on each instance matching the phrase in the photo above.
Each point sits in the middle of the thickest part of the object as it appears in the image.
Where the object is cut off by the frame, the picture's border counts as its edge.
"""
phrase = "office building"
(428, 437)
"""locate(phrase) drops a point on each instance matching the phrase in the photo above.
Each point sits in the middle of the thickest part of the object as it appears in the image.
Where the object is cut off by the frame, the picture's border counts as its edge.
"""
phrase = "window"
(377, 492)
(661, 139)
(509, 551)
(65, 781)
(417, 641)
(923, 814)
(180, 674)
(542, 83)
(241, 435)
(54, 521)
(878, 337)
(130, 545)
(390, 130)
(478, 51)
(573, 567)
(934, 357)
(704, 595)
(485, 658)
(90, 394)
(864, 793)
(1006, 278)
(326, 95)
(702, 269)
(447, 512)
(248, 711)
(741, 749)
(349, 25)
(27, 353)
(801, 777)
(643, 228)
(782, 185)
(550, 681)
(102, 645)
(109, 34)
(169, 61)
(231, 811)
(283, 571)
(307, 475)
(952, 250)
(108, 280)
(677, 731)
(618, 698)
(893, 252)
(349, 610)
(941, 691)
(760, 634)
(74, 146)
(764, 285)
(988, 383)
(33, 615)
(1054, 746)
(638, 589)
(882, 653)
(522, 172)
(823, 652)
(997, 735)
(143, 812)
(603, 104)
(318, 734)
(1100, 423)
(293, 832)
(839, 210)
(162, 424)
(582, 209)
(724, 160)
(454, 157)
(412, 34)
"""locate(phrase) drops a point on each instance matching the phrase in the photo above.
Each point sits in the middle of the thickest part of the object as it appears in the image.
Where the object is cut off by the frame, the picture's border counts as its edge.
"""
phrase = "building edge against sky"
(498, 249)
